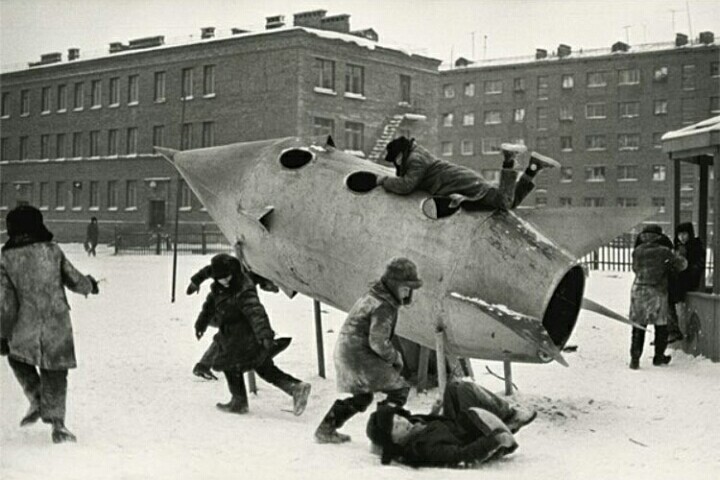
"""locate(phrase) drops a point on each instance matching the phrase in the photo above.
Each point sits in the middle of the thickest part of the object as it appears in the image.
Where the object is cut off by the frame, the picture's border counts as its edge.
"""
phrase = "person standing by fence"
(692, 249)
(91, 236)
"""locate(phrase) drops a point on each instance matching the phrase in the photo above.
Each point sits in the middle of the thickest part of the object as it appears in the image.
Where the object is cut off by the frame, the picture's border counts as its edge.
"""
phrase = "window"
(566, 174)
(448, 91)
(714, 104)
(595, 110)
(469, 89)
(354, 136)
(596, 79)
(114, 93)
(94, 195)
(595, 142)
(627, 173)
(629, 109)
(466, 147)
(541, 201)
(659, 203)
(185, 196)
(186, 138)
(44, 200)
(493, 117)
(209, 80)
(595, 174)
(469, 119)
(323, 126)
(568, 81)
(493, 87)
(354, 79)
(187, 84)
(77, 145)
(60, 148)
(446, 148)
(660, 74)
(492, 175)
(659, 173)
(687, 110)
(566, 113)
(208, 134)
(566, 143)
(130, 194)
(4, 148)
(131, 146)
(490, 146)
(159, 92)
(447, 119)
(628, 141)
(541, 143)
(688, 77)
(62, 98)
(78, 97)
(25, 102)
(5, 106)
(627, 202)
(565, 201)
(593, 202)
(657, 139)
(405, 88)
(3, 195)
(60, 195)
(112, 195)
(629, 76)
(519, 115)
(159, 135)
(325, 71)
(542, 118)
(112, 147)
(715, 69)
(542, 87)
(76, 196)
(45, 100)
(96, 94)
(44, 146)
(660, 107)
(24, 148)
(518, 85)
(95, 143)
(133, 89)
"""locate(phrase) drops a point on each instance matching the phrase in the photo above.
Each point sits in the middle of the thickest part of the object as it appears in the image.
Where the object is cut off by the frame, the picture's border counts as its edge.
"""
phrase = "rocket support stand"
(440, 357)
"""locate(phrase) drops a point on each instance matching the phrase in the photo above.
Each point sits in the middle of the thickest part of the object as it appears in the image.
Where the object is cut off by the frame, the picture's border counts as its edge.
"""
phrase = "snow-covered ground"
(139, 413)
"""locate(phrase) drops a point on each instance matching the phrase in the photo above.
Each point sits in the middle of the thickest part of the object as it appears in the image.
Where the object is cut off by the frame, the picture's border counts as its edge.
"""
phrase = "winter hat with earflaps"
(379, 431)
(401, 271)
(25, 221)
(223, 265)
(395, 148)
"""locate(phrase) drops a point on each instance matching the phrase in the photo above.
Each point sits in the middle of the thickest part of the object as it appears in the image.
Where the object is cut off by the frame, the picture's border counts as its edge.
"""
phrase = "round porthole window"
(438, 207)
(361, 182)
(295, 158)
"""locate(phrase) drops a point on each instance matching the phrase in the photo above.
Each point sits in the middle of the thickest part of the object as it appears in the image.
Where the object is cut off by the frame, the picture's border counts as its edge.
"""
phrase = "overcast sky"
(437, 28)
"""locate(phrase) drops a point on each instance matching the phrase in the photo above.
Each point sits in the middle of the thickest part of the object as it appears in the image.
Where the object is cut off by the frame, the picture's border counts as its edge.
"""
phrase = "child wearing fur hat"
(35, 328)
(365, 359)
(475, 426)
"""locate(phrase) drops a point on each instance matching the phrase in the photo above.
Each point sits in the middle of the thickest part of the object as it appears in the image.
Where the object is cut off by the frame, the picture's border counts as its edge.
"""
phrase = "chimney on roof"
(116, 47)
(277, 21)
(564, 50)
(336, 23)
(207, 32)
(680, 39)
(238, 31)
(73, 54)
(463, 62)
(51, 57)
(147, 42)
(368, 33)
(619, 47)
(540, 53)
(707, 38)
(311, 19)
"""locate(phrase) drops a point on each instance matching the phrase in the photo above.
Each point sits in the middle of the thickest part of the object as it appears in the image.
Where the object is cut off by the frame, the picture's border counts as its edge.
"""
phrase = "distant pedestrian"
(91, 236)
(35, 328)
(653, 261)
(692, 249)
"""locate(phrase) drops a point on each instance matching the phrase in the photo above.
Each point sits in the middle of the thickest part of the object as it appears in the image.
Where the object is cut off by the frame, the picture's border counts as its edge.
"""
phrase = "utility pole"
(627, 33)
(472, 36)
(687, 7)
(484, 47)
(672, 12)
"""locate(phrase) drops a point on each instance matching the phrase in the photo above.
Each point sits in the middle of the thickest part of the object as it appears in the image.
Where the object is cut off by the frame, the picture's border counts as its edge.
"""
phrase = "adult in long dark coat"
(245, 338)
(92, 236)
(653, 261)
(35, 328)
(418, 169)
(365, 359)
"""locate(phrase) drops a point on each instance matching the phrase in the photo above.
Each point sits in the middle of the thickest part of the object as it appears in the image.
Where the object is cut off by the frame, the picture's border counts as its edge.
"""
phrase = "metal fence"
(200, 242)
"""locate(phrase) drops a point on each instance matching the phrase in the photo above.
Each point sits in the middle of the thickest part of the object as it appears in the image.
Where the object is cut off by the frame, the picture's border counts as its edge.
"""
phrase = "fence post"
(595, 260)
(158, 245)
(117, 240)
(203, 240)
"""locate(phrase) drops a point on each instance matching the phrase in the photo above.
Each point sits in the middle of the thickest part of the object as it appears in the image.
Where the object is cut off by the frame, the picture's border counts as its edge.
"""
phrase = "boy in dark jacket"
(692, 249)
(245, 338)
(476, 426)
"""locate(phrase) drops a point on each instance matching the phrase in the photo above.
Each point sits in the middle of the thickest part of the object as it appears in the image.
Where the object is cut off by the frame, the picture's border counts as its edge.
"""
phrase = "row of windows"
(112, 142)
(58, 97)
(598, 79)
(594, 173)
(593, 111)
(354, 132)
(491, 145)
(657, 202)
(325, 81)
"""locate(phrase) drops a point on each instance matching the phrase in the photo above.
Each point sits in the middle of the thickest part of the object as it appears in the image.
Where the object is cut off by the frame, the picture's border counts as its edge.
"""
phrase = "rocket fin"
(261, 216)
(168, 153)
(528, 328)
(583, 230)
(593, 306)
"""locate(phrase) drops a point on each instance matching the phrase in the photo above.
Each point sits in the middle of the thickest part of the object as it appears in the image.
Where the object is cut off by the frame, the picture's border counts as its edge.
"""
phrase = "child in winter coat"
(35, 329)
